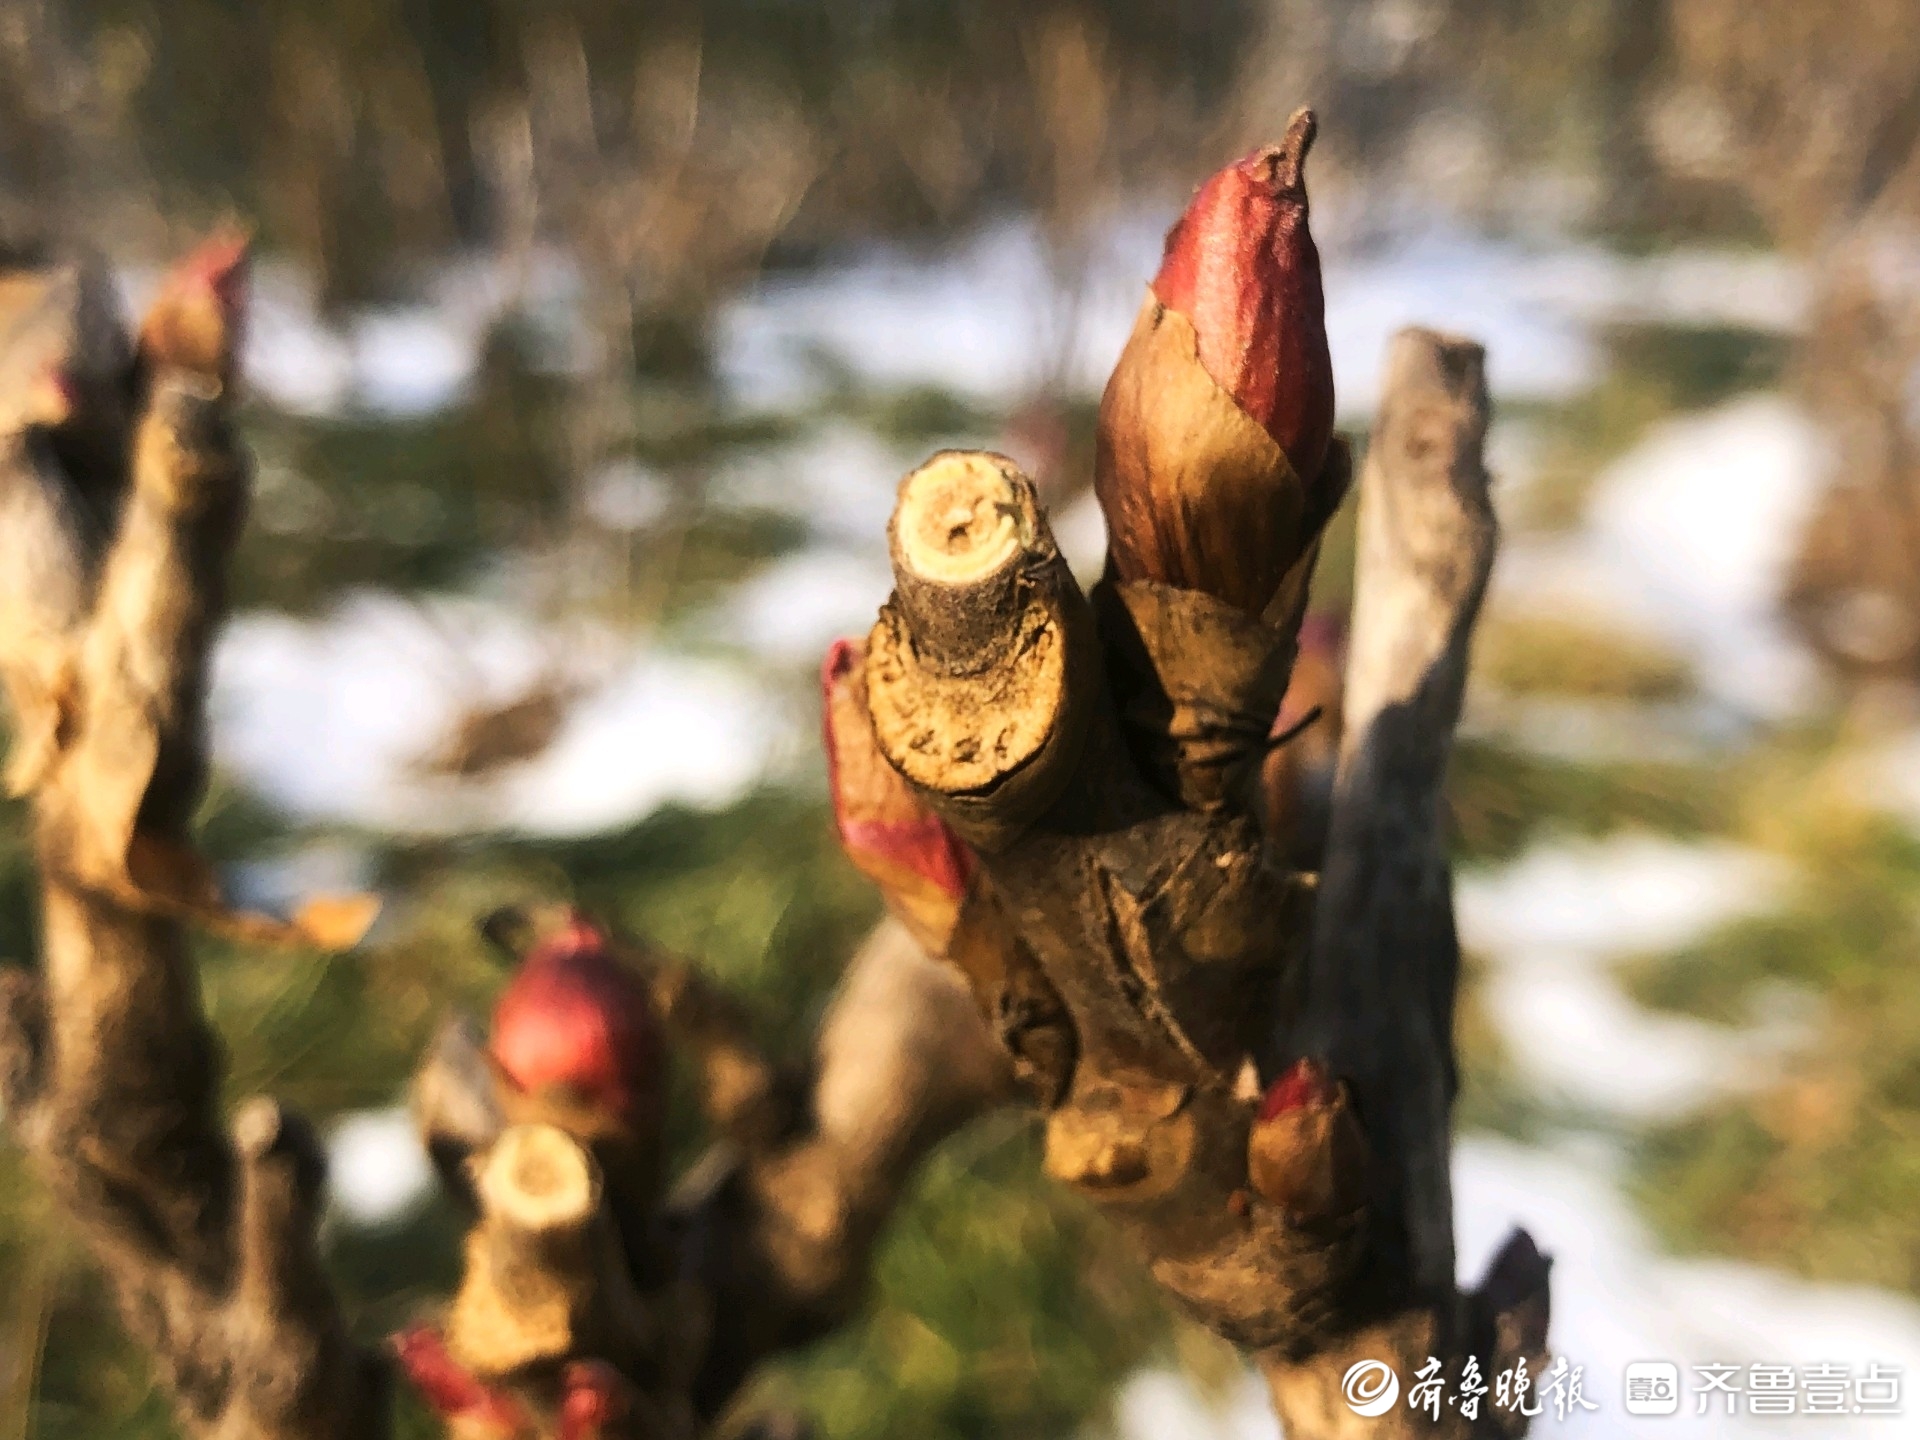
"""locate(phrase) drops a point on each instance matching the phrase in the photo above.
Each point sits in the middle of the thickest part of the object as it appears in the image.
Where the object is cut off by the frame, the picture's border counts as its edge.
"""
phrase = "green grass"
(1002, 1305)
(1502, 798)
(1814, 1169)
(1555, 655)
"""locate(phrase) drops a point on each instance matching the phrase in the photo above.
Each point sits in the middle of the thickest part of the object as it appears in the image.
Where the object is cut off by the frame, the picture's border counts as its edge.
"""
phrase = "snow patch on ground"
(1554, 923)
(1616, 1299)
(404, 360)
(995, 315)
(987, 316)
(329, 719)
(1688, 541)
(839, 477)
(790, 611)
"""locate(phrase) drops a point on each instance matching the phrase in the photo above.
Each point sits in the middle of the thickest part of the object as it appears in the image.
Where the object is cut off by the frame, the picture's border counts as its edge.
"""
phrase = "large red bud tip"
(574, 1016)
(1241, 265)
(887, 831)
(196, 321)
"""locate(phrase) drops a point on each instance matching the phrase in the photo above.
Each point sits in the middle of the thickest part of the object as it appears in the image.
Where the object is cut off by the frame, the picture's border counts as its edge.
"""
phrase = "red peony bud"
(1304, 1083)
(1305, 1152)
(888, 832)
(195, 322)
(595, 1398)
(453, 1393)
(1241, 265)
(575, 1017)
(1215, 464)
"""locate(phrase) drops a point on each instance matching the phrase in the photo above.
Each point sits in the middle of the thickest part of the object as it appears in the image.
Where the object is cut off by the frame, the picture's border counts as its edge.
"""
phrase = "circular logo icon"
(1370, 1387)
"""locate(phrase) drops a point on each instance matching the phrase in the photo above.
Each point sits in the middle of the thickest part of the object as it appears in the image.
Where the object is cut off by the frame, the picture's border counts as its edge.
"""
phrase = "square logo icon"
(1653, 1387)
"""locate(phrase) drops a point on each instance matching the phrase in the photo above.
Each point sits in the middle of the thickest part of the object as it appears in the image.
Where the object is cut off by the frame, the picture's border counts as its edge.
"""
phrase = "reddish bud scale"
(1242, 266)
(196, 321)
(1315, 688)
(450, 1390)
(888, 832)
(595, 1397)
(574, 1016)
(1305, 1151)
(1214, 462)
(895, 825)
(1303, 1083)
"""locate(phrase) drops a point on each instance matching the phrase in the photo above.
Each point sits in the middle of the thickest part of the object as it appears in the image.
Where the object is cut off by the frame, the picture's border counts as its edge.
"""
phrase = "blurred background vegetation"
(594, 189)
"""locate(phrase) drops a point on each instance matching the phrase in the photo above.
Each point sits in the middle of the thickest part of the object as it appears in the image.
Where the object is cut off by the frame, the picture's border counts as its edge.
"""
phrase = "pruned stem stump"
(972, 678)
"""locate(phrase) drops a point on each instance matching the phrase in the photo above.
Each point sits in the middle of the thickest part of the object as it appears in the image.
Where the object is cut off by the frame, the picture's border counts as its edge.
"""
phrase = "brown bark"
(781, 1235)
(1144, 957)
(111, 1074)
(1107, 770)
(1385, 958)
(589, 1306)
(764, 1245)
(547, 1285)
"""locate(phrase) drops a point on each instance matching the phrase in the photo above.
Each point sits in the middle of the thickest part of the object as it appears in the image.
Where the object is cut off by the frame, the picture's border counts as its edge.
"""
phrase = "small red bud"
(1241, 265)
(451, 1391)
(195, 322)
(574, 1016)
(595, 1397)
(921, 866)
(1304, 1083)
(52, 399)
(1305, 1151)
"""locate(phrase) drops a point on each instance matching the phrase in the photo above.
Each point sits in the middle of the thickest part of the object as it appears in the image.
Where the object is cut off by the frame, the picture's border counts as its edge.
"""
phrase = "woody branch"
(766, 1243)
(593, 1305)
(594, 1308)
(1259, 1097)
(1260, 1103)
(112, 1077)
